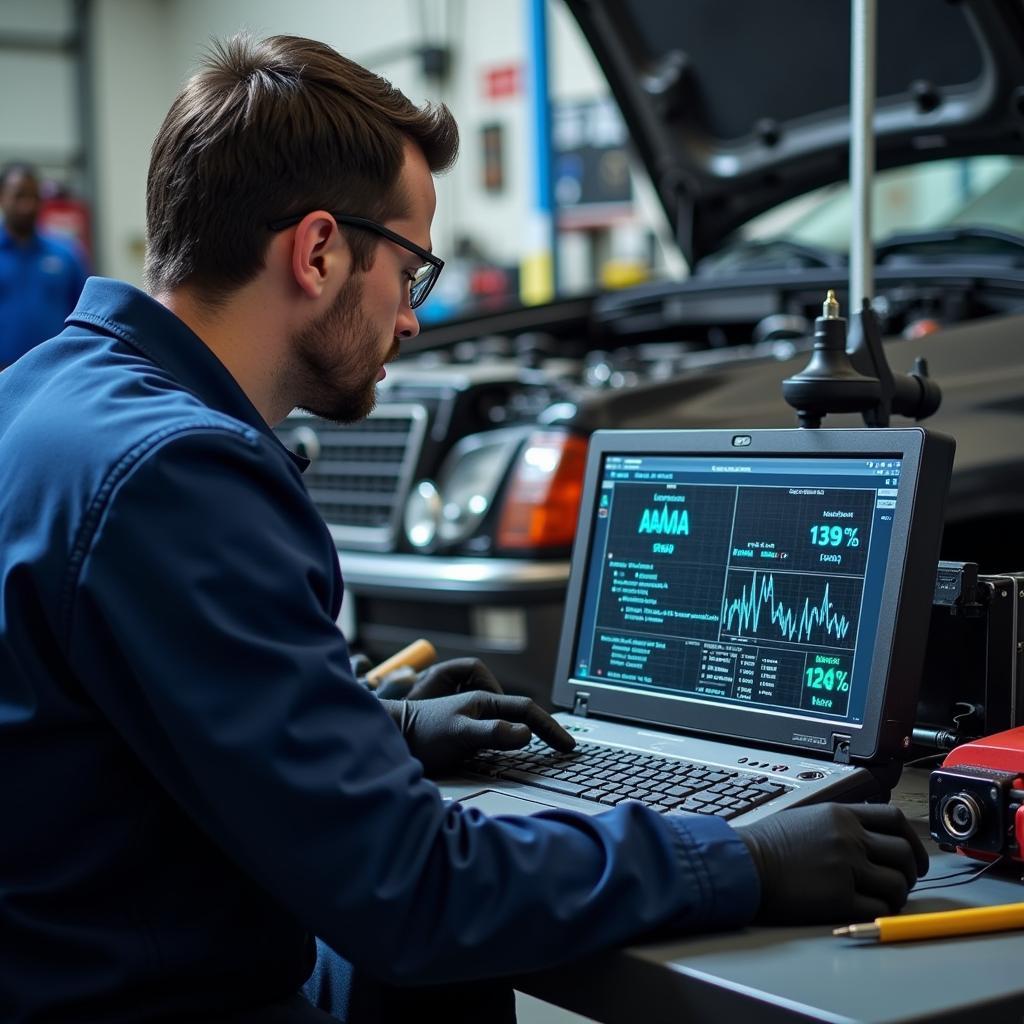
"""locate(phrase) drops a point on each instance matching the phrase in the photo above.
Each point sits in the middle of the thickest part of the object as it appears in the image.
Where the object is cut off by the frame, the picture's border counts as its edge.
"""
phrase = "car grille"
(360, 474)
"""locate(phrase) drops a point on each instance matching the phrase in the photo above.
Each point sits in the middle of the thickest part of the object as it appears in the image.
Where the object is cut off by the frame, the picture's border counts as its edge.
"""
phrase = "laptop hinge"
(581, 704)
(840, 748)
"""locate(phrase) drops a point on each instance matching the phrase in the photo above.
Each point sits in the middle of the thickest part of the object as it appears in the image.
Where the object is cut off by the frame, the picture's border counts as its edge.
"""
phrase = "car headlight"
(422, 514)
(451, 510)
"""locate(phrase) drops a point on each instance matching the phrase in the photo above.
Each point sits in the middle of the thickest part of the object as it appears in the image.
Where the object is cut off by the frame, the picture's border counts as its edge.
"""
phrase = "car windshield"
(972, 192)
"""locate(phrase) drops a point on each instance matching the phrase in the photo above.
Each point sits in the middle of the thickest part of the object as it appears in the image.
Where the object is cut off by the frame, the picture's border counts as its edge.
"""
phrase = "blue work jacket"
(193, 781)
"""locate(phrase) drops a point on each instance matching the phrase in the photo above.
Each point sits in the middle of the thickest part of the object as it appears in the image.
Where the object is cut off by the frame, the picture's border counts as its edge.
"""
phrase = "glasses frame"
(378, 229)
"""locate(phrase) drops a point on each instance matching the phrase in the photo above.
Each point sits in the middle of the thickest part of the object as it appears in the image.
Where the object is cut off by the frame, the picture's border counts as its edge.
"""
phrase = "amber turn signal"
(542, 503)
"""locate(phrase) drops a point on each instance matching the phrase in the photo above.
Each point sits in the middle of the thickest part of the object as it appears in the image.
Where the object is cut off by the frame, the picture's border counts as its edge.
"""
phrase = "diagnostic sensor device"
(976, 799)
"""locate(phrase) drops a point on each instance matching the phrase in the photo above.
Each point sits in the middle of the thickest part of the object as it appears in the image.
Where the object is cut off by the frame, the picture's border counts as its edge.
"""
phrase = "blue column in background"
(538, 271)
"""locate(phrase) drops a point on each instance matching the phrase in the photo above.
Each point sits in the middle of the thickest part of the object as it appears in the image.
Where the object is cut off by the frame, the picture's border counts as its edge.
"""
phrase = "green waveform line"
(762, 596)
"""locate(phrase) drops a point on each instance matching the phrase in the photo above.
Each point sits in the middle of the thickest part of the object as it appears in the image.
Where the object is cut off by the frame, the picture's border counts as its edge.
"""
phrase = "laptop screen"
(746, 588)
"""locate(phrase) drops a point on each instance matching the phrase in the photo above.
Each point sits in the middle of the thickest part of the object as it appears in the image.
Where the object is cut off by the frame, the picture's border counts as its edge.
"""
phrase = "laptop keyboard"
(609, 775)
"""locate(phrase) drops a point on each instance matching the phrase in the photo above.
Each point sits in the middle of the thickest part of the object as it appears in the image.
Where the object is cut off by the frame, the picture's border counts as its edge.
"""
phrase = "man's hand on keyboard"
(834, 862)
(442, 731)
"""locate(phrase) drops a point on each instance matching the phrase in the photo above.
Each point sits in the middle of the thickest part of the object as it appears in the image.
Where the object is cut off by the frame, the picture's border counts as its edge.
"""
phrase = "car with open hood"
(453, 506)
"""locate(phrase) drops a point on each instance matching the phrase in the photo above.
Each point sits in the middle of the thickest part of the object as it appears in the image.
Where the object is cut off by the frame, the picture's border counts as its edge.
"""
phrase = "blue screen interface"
(753, 581)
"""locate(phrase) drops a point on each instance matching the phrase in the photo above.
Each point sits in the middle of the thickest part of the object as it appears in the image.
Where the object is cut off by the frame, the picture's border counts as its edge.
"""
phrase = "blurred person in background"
(41, 275)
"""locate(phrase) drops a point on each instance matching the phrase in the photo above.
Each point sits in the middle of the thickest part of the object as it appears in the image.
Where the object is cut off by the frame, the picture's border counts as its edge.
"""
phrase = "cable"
(965, 870)
(962, 881)
(925, 758)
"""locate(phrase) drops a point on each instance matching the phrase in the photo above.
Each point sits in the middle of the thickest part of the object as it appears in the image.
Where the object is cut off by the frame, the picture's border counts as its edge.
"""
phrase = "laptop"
(745, 623)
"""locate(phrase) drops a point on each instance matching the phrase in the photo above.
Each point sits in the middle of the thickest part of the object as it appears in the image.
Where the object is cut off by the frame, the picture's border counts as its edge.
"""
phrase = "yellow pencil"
(907, 927)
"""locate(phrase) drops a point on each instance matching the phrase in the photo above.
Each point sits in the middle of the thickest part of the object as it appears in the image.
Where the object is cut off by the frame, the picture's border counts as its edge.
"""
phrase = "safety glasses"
(423, 279)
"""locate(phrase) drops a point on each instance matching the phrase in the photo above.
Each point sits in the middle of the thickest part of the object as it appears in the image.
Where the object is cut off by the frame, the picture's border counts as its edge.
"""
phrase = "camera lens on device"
(961, 815)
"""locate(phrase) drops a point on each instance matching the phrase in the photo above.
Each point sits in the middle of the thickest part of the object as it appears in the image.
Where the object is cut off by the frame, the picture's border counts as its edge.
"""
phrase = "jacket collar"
(125, 312)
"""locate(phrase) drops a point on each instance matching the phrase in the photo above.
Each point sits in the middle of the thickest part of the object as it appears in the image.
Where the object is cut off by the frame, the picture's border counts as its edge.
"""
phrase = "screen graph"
(778, 608)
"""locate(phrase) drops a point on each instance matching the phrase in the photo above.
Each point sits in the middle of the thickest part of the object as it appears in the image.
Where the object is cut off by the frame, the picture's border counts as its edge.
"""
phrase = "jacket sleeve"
(199, 621)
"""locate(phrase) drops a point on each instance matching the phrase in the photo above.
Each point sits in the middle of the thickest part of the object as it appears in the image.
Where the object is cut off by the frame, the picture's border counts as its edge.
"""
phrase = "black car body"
(453, 506)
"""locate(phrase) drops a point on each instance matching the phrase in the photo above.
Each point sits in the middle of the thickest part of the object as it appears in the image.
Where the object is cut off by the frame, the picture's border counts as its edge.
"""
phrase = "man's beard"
(337, 360)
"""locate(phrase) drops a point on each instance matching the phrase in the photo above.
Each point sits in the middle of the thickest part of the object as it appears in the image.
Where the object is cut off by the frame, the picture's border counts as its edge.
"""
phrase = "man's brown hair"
(270, 128)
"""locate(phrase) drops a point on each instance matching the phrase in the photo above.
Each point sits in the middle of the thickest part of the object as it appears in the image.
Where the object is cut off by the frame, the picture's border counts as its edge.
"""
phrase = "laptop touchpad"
(492, 802)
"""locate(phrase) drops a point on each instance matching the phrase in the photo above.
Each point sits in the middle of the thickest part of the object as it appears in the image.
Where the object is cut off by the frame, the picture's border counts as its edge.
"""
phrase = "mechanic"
(41, 276)
(196, 783)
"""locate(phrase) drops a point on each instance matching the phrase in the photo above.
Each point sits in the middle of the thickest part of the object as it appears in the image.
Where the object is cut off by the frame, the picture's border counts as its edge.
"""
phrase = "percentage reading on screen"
(835, 536)
(830, 679)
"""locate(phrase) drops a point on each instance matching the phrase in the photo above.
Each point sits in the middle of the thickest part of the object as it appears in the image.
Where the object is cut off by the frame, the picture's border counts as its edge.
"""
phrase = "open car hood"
(737, 105)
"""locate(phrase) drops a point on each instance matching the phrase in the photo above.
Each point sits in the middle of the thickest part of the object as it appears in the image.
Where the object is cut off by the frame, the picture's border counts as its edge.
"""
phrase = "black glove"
(456, 676)
(361, 664)
(834, 862)
(443, 731)
(395, 684)
(441, 680)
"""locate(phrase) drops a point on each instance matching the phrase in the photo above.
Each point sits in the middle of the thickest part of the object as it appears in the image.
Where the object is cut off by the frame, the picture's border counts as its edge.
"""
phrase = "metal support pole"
(863, 31)
(87, 141)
